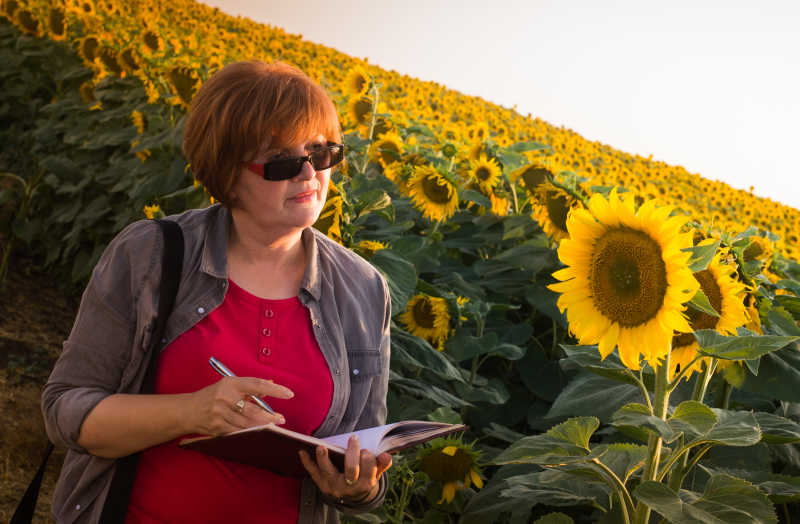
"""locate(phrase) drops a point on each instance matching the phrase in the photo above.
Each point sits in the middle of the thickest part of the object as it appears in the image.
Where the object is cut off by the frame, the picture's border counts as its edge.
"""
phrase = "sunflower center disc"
(423, 314)
(557, 210)
(438, 194)
(698, 319)
(534, 176)
(628, 278)
(752, 252)
(483, 174)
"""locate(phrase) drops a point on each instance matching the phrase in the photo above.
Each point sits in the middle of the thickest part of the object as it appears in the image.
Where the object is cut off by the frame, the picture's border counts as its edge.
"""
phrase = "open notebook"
(275, 448)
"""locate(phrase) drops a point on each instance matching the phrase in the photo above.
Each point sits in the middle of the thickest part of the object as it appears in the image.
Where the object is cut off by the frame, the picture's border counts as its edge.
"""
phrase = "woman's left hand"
(358, 482)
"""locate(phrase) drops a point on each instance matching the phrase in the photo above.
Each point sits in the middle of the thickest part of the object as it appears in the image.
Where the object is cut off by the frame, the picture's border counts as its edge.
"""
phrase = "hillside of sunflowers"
(619, 335)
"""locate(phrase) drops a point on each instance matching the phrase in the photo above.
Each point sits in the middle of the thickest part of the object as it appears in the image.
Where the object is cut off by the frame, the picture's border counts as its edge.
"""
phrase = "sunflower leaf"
(701, 256)
(637, 416)
(421, 389)
(587, 357)
(555, 518)
(700, 302)
(557, 488)
(776, 429)
(733, 428)
(400, 274)
(521, 147)
(743, 347)
(567, 442)
(779, 488)
(476, 197)
(725, 500)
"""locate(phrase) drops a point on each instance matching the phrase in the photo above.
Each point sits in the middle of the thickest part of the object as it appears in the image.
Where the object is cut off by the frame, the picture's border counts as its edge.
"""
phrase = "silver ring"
(239, 406)
(349, 482)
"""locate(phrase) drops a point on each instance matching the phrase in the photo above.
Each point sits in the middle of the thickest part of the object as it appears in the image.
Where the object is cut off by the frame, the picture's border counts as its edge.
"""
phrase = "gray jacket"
(105, 353)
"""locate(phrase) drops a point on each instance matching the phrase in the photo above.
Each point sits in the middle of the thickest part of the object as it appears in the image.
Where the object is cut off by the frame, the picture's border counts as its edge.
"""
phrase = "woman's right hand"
(213, 410)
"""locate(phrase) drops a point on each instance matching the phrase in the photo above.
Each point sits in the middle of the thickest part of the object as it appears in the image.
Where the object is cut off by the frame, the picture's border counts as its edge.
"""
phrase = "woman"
(302, 320)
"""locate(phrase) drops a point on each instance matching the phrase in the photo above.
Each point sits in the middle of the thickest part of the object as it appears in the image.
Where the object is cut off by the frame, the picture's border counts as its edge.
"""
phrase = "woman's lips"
(301, 197)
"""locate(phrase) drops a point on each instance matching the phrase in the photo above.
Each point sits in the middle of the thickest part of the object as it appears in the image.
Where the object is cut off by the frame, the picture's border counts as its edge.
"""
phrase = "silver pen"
(225, 372)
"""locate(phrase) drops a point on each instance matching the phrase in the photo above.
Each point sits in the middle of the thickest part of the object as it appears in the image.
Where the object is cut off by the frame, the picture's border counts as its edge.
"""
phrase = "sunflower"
(57, 23)
(478, 131)
(87, 92)
(153, 42)
(432, 193)
(485, 172)
(627, 278)
(429, 318)
(138, 120)
(27, 22)
(453, 464)
(129, 59)
(332, 214)
(369, 247)
(8, 8)
(759, 248)
(87, 49)
(551, 206)
(532, 176)
(357, 82)
(360, 109)
(108, 61)
(726, 295)
(153, 211)
(388, 148)
(184, 83)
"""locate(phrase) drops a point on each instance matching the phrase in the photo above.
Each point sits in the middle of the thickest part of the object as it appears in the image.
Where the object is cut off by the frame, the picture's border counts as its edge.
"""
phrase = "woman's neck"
(266, 263)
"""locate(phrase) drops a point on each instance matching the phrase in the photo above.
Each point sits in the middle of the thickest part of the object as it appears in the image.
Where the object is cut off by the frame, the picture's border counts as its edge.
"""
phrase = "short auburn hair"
(245, 104)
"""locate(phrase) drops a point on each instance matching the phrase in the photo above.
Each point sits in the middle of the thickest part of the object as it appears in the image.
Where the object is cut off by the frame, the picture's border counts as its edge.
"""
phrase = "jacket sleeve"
(96, 357)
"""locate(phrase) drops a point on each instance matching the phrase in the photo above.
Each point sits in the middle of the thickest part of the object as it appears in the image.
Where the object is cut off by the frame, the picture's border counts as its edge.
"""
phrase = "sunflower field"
(619, 335)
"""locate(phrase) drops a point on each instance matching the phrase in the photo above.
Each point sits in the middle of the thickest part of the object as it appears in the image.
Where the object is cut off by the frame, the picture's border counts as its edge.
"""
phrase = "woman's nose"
(306, 172)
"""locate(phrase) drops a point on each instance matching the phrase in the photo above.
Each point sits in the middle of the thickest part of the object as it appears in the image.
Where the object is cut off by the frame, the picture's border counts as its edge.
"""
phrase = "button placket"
(266, 334)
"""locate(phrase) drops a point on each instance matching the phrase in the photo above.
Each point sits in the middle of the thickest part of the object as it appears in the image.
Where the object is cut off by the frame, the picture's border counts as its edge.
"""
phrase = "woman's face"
(283, 206)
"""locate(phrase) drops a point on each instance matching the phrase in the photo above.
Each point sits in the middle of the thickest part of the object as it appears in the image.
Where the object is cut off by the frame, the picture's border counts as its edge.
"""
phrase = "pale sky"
(713, 86)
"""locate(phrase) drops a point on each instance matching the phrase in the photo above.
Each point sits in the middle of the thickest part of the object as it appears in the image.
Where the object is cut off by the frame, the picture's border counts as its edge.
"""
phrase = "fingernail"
(354, 439)
(289, 393)
(281, 420)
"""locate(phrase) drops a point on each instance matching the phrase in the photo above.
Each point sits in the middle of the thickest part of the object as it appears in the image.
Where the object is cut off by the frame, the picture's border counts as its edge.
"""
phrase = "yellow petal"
(476, 478)
(609, 341)
(450, 450)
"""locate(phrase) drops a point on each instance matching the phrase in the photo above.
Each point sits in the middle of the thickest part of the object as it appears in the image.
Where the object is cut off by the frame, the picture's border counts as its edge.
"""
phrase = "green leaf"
(588, 357)
(463, 347)
(474, 196)
(557, 488)
(638, 416)
(725, 500)
(521, 147)
(494, 392)
(791, 304)
(589, 394)
(779, 488)
(734, 428)
(554, 518)
(541, 375)
(401, 276)
(530, 256)
(421, 389)
(511, 160)
(489, 502)
(700, 302)
(778, 377)
(782, 322)
(745, 347)
(693, 419)
(408, 349)
(373, 201)
(566, 442)
(624, 459)
(701, 256)
(776, 429)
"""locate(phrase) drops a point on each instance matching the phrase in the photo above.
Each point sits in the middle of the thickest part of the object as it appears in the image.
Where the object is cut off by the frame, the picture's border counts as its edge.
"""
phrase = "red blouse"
(254, 337)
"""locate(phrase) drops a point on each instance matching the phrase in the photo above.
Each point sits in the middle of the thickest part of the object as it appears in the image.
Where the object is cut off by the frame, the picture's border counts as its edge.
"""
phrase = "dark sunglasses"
(286, 168)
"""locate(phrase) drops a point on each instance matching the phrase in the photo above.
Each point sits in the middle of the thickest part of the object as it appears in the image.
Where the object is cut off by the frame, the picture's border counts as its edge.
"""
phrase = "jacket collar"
(214, 258)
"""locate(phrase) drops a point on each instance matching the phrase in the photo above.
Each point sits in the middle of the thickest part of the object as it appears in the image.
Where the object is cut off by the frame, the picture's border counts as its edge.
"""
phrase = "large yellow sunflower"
(627, 278)
(429, 318)
(726, 295)
(57, 23)
(432, 193)
(550, 207)
(759, 248)
(485, 172)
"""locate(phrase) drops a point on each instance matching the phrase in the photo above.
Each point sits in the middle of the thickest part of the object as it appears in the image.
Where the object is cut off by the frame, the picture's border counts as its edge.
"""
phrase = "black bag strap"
(24, 511)
(116, 506)
(119, 494)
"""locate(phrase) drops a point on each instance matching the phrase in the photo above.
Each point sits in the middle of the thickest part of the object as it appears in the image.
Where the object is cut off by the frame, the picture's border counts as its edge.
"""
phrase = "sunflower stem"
(375, 97)
(661, 399)
(701, 386)
(619, 487)
(640, 382)
(514, 196)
